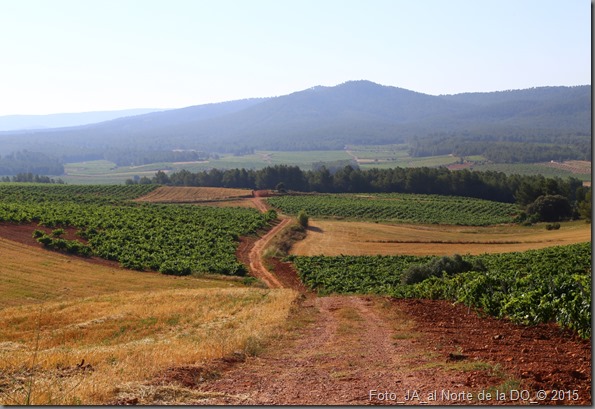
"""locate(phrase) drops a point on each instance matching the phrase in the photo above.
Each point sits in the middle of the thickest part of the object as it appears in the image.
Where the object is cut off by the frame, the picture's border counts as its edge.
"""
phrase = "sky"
(91, 55)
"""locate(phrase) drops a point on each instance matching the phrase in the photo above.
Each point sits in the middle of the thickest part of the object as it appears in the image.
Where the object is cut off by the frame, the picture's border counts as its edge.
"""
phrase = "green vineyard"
(173, 239)
(402, 208)
(551, 284)
(27, 192)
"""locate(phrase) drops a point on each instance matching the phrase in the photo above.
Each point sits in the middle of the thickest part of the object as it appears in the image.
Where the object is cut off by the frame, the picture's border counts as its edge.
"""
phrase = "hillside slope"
(356, 112)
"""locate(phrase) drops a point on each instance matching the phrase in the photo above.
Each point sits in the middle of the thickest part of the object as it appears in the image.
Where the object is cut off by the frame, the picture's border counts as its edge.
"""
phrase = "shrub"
(303, 219)
(58, 232)
(550, 208)
(552, 226)
(45, 240)
(439, 266)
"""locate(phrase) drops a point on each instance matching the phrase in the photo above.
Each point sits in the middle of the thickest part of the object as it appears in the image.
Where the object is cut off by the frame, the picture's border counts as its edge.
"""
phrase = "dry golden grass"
(333, 238)
(182, 194)
(127, 338)
(32, 275)
(574, 166)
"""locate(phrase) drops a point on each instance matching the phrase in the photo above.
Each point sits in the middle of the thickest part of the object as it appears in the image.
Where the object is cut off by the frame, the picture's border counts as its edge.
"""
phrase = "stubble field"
(334, 238)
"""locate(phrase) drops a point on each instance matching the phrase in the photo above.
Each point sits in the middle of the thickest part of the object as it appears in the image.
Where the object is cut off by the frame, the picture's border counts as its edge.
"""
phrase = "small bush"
(45, 240)
(439, 266)
(552, 226)
(58, 232)
(38, 233)
(303, 219)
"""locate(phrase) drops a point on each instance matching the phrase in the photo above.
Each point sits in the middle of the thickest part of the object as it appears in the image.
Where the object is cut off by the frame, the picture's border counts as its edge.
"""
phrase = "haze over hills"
(320, 118)
(25, 122)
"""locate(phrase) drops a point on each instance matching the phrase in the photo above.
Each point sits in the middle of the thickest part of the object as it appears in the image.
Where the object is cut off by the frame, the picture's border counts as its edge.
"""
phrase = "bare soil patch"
(333, 238)
(542, 357)
(23, 233)
(260, 204)
(287, 276)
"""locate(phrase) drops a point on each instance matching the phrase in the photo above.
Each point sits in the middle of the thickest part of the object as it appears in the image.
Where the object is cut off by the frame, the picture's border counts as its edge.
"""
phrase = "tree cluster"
(506, 150)
(490, 185)
(30, 162)
(31, 178)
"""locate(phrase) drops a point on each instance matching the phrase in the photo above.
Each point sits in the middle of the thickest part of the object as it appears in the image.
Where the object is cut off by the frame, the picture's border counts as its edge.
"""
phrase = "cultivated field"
(399, 208)
(333, 238)
(77, 330)
(180, 194)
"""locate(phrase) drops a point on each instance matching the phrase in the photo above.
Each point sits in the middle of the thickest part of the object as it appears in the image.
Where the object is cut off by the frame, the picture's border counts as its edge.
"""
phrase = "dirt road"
(257, 266)
(350, 353)
(359, 350)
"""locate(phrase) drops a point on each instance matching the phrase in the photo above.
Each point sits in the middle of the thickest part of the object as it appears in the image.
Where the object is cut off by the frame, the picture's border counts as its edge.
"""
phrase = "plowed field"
(182, 194)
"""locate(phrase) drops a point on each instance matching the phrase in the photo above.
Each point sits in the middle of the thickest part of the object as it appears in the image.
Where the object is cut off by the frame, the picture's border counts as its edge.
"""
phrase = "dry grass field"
(574, 166)
(128, 327)
(333, 238)
(182, 194)
(31, 275)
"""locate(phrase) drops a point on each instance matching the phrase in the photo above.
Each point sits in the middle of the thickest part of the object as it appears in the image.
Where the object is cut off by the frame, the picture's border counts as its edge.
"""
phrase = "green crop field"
(403, 208)
(551, 284)
(173, 239)
(530, 169)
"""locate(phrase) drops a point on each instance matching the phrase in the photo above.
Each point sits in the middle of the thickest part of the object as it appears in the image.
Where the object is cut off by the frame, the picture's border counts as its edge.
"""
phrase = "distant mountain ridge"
(27, 122)
(319, 118)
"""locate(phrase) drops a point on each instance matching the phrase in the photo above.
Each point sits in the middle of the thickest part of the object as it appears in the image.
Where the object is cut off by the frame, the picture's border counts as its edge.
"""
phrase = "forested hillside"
(539, 124)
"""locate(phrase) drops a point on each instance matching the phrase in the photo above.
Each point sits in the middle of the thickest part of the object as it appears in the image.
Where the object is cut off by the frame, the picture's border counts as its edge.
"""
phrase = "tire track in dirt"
(348, 347)
(257, 266)
(260, 205)
(348, 351)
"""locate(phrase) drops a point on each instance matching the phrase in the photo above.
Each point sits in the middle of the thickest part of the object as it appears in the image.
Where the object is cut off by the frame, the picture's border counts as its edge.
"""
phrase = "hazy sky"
(85, 55)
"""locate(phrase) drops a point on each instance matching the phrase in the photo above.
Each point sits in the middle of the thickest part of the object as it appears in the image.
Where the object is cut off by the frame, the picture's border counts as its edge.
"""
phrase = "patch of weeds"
(249, 281)
(173, 320)
(341, 374)
(506, 386)
(457, 355)
(121, 331)
(148, 322)
(253, 346)
(350, 314)
(460, 366)
(404, 335)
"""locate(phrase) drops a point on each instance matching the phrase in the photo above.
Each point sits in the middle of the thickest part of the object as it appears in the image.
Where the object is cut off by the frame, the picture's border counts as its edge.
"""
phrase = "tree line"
(31, 178)
(504, 151)
(489, 185)
(30, 162)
